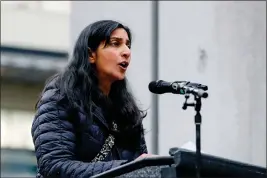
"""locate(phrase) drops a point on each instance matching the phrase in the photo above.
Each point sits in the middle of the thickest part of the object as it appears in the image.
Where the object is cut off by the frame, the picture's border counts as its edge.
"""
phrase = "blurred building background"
(220, 44)
(34, 45)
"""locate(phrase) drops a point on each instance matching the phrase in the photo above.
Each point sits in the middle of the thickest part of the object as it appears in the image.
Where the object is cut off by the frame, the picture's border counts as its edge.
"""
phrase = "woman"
(86, 120)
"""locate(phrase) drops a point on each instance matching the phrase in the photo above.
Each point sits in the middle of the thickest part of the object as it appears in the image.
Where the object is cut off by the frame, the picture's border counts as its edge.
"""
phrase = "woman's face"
(112, 60)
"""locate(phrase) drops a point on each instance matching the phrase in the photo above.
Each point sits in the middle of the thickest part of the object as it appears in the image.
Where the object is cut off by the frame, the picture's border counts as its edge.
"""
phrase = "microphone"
(178, 87)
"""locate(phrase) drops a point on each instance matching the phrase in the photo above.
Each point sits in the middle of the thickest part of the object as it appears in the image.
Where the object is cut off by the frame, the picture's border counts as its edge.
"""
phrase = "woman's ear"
(92, 59)
(91, 56)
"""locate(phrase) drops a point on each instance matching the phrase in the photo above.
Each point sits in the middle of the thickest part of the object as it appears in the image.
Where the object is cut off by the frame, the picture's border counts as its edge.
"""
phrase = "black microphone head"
(159, 87)
(153, 86)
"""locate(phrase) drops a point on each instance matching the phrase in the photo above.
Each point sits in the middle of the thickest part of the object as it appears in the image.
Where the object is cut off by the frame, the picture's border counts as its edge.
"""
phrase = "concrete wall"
(223, 45)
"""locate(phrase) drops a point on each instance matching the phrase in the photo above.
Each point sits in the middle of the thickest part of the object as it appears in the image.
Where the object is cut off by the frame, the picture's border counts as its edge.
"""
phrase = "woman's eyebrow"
(119, 39)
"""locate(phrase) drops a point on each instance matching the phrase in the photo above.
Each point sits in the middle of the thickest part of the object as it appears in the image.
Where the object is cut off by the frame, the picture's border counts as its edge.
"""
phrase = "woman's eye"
(115, 43)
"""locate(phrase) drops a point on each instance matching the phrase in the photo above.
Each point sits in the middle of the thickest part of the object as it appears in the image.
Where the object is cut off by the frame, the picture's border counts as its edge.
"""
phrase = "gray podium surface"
(147, 172)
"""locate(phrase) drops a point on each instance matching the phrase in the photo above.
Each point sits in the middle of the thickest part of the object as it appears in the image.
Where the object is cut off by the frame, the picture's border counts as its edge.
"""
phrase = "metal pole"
(155, 49)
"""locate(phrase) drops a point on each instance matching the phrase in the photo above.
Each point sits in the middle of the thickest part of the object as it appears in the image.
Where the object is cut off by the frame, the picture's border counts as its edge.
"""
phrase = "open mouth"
(124, 64)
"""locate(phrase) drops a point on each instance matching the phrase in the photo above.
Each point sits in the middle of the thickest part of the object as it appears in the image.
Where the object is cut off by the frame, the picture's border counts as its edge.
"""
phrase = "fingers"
(145, 156)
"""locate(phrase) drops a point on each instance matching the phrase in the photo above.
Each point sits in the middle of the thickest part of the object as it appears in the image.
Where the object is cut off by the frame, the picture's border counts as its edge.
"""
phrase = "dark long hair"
(79, 83)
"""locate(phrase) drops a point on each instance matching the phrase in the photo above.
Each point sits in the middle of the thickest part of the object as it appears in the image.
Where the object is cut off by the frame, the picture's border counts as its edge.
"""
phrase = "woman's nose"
(126, 52)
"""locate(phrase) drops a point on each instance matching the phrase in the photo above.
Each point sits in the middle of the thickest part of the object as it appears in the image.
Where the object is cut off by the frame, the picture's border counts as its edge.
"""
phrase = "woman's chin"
(120, 77)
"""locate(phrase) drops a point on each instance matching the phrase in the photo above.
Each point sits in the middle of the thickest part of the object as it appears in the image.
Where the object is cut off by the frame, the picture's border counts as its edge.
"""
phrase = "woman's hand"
(145, 156)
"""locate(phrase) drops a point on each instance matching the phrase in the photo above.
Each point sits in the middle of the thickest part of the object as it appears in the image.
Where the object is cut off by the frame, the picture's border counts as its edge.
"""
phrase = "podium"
(145, 167)
(181, 163)
(211, 166)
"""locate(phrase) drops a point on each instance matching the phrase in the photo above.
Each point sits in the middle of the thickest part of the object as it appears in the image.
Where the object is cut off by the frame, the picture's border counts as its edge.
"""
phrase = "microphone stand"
(198, 120)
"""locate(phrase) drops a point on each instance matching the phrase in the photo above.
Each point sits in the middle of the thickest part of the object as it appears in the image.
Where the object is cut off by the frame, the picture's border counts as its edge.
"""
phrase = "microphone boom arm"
(190, 88)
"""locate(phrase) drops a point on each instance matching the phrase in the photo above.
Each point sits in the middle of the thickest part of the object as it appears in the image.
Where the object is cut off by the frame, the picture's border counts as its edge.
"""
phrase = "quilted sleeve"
(54, 142)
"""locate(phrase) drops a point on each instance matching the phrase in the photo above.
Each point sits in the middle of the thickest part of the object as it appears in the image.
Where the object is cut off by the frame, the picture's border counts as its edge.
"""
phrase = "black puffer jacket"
(65, 143)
